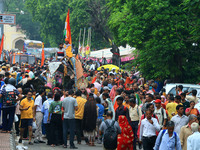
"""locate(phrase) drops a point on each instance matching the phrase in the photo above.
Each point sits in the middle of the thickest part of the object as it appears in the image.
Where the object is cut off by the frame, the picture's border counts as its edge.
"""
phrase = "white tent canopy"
(108, 54)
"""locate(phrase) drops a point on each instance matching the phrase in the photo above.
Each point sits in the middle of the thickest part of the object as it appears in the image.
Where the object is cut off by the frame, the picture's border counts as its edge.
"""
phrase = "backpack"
(10, 98)
(162, 112)
(163, 134)
(110, 136)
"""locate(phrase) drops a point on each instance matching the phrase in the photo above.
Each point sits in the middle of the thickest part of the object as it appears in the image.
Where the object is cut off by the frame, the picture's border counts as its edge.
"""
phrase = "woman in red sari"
(125, 139)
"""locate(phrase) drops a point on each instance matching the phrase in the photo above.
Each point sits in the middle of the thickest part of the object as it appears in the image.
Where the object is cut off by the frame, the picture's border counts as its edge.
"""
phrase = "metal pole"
(1, 12)
(83, 48)
(79, 43)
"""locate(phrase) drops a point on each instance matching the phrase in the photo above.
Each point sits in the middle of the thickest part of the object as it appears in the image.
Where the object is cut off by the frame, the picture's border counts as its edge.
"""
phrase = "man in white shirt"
(135, 114)
(113, 71)
(179, 119)
(31, 74)
(160, 113)
(193, 141)
(92, 67)
(148, 129)
(39, 117)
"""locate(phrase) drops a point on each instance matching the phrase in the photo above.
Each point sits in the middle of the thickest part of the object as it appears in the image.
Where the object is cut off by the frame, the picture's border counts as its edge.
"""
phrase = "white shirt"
(92, 67)
(97, 85)
(101, 97)
(31, 74)
(197, 106)
(59, 53)
(147, 129)
(193, 141)
(179, 122)
(38, 102)
(112, 72)
(161, 114)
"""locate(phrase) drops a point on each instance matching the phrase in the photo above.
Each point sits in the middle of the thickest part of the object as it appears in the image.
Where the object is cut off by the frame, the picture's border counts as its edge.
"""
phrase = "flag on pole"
(87, 49)
(1, 47)
(68, 38)
(43, 56)
(79, 43)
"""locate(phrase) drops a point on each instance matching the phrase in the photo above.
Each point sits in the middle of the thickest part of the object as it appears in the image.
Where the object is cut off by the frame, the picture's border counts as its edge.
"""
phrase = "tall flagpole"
(79, 43)
(83, 48)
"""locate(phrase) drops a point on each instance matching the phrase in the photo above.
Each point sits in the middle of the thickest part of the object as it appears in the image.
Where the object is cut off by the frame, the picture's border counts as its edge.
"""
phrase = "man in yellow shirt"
(171, 107)
(27, 116)
(79, 115)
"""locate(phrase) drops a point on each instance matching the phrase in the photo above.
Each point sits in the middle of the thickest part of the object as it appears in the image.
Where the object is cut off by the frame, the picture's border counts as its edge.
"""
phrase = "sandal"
(52, 145)
(9, 132)
(92, 144)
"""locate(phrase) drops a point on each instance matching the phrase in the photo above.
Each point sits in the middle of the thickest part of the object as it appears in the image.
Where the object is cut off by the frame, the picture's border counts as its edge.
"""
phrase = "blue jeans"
(68, 125)
(8, 121)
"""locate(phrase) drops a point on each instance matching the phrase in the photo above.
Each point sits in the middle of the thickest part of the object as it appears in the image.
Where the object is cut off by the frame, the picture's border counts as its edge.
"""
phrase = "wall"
(11, 35)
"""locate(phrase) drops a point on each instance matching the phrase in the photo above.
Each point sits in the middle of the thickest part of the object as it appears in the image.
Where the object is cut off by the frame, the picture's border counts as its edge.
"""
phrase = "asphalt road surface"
(47, 147)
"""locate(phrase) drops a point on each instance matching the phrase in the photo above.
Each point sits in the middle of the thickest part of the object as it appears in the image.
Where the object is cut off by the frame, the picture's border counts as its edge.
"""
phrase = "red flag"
(1, 47)
(43, 56)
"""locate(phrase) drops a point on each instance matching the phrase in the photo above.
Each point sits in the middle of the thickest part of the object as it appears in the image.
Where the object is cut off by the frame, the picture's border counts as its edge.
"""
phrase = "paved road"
(47, 147)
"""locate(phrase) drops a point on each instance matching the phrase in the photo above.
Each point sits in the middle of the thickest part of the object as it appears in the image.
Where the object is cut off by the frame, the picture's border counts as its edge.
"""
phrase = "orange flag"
(68, 36)
(43, 56)
(1, 47)
(68, 29)
(14, 58)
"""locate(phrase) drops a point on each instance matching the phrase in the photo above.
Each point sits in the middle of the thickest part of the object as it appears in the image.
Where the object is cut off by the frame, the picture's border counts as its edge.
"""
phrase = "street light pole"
(1, 12)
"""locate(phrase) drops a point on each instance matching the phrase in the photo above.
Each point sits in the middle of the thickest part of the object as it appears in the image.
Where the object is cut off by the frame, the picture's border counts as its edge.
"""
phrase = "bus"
(32, 47)
(22, 58)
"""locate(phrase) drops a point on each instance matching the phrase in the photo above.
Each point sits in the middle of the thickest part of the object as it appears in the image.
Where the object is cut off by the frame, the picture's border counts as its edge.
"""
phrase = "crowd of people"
(117, 109)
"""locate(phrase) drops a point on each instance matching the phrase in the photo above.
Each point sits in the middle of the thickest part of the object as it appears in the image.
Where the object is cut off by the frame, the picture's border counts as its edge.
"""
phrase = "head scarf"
(112, 93)
(128, 81)
(164, 98)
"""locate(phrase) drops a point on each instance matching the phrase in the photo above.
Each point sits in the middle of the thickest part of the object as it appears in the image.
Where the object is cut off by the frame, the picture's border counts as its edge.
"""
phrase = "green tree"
(161, 33)
(23, 18)
(52, 14)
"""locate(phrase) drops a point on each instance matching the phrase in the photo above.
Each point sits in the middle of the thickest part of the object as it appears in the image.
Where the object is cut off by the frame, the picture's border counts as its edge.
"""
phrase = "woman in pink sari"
(113, 92)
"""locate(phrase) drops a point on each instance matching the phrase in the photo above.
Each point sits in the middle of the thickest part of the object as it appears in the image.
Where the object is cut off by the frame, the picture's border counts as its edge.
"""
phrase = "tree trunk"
(116, 55)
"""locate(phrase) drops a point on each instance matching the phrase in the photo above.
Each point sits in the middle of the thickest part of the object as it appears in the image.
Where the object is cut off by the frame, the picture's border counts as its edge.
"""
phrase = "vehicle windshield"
(173, 90)
(185, 89)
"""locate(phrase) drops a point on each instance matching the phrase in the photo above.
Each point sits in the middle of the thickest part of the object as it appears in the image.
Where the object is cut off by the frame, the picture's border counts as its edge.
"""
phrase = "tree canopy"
(52, 14)
(163, 35)
(23, 18)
